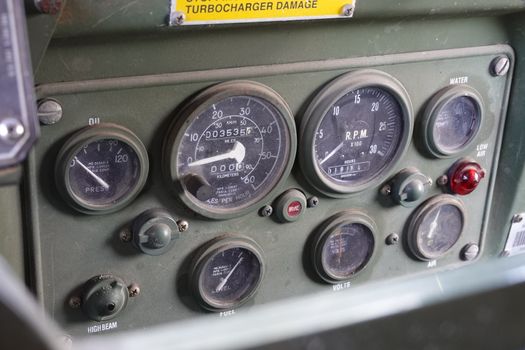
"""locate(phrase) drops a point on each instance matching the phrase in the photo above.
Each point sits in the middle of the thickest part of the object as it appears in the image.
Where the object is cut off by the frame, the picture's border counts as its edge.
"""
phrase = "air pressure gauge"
(101, 168)
(230, 148)
(354, 132)
(452, 120)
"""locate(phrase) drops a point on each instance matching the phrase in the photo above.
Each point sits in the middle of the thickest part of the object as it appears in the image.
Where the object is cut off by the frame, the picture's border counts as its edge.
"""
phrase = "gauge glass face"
(456, 124)
(103, 172)
(359, 136)
(347, 250)
(233, 153)
(229, 277)
(439, 230)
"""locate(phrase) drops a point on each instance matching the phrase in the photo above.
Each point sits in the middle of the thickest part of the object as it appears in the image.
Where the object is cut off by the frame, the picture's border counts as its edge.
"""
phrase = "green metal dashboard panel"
(75, 247)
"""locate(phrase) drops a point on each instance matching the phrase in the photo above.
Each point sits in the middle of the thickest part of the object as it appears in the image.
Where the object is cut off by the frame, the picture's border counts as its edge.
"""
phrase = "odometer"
(354, 131)
(230, 149)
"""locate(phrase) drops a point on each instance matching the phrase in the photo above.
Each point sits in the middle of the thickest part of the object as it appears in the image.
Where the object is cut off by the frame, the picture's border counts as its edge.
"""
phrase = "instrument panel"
(195, 197)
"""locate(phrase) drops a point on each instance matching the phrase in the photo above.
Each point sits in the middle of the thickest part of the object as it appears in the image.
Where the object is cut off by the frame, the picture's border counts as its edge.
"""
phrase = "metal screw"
(348, 10)
(134, 290)
(11, 129)
(48, 7)
(517, 218)
(469, 252)
(392, 239)
(125, 235)
(312, 202)
(75, 302)
(178, 18)
(183, 225)
(442, 180)
(49, 111)
(500, 66)
(266, 211)
(386, 190)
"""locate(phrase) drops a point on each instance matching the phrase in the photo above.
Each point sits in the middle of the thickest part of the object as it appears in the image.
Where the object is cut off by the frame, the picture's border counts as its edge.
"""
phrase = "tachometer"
(230, 148)
(354, 131)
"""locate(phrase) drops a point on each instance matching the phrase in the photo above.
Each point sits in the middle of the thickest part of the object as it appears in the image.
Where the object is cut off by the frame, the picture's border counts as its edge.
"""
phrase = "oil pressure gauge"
(343, 246)
(354, 132)
(452, 120)
(230, 148)
(227, 272)
(101, 168)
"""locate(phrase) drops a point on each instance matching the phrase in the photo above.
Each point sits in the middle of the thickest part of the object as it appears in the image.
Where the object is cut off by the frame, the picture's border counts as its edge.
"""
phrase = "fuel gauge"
(101, 168)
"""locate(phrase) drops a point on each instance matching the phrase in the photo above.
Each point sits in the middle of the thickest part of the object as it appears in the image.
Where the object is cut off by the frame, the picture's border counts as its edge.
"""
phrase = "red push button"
(295, 208)
(465, 177)
(290, 206)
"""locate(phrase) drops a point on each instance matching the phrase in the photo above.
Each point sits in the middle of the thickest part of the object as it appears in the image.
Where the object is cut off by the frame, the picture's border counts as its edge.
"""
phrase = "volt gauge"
(230, 148)
(343, 246)
(354, 132)
(101, 168)
(227, 272)
(452, 120)
(436, 227)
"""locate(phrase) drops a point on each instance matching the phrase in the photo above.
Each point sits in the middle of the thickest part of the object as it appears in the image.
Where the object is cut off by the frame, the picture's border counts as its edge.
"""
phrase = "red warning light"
(465, 177)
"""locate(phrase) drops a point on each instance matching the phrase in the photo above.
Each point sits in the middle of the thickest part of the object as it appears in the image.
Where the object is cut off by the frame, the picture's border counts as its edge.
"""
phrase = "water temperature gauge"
(101, 168)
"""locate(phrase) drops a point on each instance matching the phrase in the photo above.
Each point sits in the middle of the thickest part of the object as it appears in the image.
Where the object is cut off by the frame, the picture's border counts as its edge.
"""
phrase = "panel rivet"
(392, 239)
(11, 129)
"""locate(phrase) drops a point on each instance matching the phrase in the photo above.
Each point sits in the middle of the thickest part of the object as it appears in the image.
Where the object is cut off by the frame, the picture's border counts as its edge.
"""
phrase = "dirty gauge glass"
(436, 227)
(354, 131)
(236, 143)
(101, 168)
(452, 120)
(227, 272)
(343, 246)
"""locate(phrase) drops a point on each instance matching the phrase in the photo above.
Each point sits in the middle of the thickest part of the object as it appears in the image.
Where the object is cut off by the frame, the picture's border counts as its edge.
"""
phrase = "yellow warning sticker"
(195, 12)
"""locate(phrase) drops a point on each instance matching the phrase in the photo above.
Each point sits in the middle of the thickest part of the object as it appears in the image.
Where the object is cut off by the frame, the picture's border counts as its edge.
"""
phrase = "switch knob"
(409, 186)
(104, 297)
(153, 231)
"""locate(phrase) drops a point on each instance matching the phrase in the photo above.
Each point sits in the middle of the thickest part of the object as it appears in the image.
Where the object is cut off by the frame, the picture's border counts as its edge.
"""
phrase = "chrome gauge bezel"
(320, 106)
(324, 232)
(87, 136)
(201, 103)
(434, 106)
(419, 215)
(205, 254)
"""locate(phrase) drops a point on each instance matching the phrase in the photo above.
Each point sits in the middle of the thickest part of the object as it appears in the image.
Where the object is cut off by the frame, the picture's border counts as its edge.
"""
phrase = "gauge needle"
(330, 155)
(434, 225)
(225, 280)
(237, 152)
(95, 176)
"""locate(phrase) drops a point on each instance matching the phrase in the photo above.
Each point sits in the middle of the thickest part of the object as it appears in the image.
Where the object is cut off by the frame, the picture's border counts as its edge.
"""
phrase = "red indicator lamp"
(465, 177)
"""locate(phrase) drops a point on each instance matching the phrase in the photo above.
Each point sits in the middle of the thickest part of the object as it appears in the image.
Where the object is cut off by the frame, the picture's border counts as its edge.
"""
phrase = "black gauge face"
(347, 250)
(436, 226)
(229, 277)
(359, 136)
(233, 153)
(456, 124)
(439, 230)
(103, 172)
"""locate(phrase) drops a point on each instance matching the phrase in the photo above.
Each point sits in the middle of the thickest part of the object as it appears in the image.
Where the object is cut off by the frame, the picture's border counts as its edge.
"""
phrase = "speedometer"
(230, 148)
(354, 131)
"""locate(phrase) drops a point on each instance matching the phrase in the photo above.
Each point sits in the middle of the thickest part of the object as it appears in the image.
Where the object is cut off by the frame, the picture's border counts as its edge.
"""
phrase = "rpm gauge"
(101, 168)
(354, 131)
(230, 148)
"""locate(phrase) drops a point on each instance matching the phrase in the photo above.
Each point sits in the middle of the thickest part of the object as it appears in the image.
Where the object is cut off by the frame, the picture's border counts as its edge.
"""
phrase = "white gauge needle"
(237, 152)
(225, 280)
(330, 155)
(434, 225)
(95, 176)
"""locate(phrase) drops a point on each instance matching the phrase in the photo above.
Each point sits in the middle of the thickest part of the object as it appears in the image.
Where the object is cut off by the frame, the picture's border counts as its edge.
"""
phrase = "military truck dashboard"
(203, 160)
